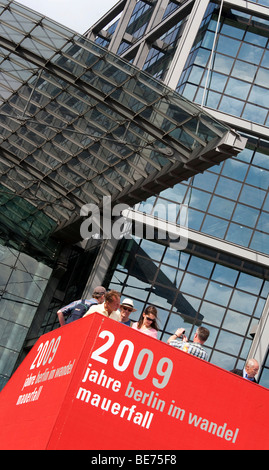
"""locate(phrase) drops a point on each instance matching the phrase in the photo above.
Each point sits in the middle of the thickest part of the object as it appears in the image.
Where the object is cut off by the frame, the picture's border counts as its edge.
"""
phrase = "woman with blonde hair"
(147, 322)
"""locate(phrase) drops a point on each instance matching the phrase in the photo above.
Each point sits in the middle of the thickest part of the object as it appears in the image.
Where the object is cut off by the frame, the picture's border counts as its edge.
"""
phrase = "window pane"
(236, 322)
(243, 302)
(228, 46)
(193, 284)
(260, 242)
(235, 169)
(214, 226)
(199, 199)
(239, 234)
(252, 196)
(249, 283)
(218, 293)
(223, 63)
(258, 177)
(212, 313)
(237, 88)
(250, 53)
(262, 77)
(244, 71)
(245, 215)
(228, 189)
(200, 266)
(223, 360)
(229, 343)
(231, 106)
(225, 275)
(253, 113)
(221, 207)
(259, 95)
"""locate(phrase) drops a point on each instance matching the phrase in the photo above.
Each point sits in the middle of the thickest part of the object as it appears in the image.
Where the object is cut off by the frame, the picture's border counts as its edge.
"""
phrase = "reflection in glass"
(245, 215)
(193, 285)
(190, 291)
(212, 313)
(225, 275)
(236, 322)
(243, 302)
(249, 283)
(215, 226)
(237, 88)
(226, 189)
(239, 234)
(218, 293)
(229, 342)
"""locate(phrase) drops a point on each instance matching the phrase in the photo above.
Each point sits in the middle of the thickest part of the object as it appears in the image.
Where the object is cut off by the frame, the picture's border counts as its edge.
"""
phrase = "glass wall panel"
(239, 70)
(188, 291)
(236, 209)
(22, 283)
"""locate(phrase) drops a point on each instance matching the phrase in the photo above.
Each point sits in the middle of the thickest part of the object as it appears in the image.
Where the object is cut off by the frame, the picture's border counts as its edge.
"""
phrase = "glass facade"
(191, 290)
(158, 61)
(238, 81)
(138, 22)
(82, 124)
(78, 124)
(228, 202)
(264, 380)
(22, 283)
(91, 125)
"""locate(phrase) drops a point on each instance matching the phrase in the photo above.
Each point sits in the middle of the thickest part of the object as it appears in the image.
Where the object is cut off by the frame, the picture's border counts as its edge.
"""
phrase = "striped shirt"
(192, 348)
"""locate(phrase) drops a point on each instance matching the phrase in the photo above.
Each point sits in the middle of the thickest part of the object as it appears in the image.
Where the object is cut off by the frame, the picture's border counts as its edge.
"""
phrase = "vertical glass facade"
(78, 124)
(229, 202)
(22, 283)
(238, 83)
(192, 288)
(158, 61)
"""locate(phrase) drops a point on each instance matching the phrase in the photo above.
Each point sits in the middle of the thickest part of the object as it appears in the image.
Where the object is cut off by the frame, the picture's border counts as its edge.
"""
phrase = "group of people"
(109, 304)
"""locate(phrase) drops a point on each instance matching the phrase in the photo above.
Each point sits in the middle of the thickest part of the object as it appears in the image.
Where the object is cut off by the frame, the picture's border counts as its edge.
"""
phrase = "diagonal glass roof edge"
(126, 124)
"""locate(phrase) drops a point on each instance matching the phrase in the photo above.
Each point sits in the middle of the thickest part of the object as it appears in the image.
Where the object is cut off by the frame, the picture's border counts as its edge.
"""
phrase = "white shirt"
(115, 315)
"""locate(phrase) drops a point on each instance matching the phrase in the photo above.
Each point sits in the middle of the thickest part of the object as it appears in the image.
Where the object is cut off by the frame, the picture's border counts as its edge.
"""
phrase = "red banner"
(98, 384)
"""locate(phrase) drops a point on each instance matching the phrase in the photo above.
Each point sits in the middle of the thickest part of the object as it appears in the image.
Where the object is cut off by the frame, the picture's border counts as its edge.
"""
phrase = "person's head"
(252, 367)
(126, 308)
(201, 335)
(112, 301)
(148, 318)
(99, 294)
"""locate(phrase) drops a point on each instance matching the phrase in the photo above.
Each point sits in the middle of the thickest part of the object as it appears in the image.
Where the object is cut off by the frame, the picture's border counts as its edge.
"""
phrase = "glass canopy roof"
(79, 123)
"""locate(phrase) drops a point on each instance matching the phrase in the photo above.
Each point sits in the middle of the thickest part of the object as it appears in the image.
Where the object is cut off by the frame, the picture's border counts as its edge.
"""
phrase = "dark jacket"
(240, 373)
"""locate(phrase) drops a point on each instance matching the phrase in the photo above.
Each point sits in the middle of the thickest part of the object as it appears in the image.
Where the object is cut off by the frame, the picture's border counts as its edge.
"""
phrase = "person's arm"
(179, 333)
(65, 310)
(61, 318)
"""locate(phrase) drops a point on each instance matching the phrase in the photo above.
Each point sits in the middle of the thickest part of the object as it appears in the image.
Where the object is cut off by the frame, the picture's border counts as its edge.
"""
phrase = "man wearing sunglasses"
(126, 308)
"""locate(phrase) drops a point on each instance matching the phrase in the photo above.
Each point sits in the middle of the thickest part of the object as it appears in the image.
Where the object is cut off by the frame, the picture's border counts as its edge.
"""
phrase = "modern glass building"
(216, 55)
(162, 106)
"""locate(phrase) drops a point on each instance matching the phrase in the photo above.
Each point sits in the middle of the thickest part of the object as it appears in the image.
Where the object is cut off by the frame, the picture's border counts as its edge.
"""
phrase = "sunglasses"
(127, 308)
(149, 319)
